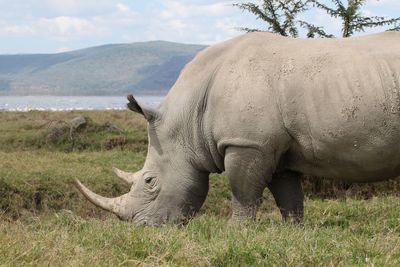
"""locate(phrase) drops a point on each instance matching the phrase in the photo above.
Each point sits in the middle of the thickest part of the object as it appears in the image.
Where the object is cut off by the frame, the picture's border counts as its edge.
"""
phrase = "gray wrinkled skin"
(266, 109)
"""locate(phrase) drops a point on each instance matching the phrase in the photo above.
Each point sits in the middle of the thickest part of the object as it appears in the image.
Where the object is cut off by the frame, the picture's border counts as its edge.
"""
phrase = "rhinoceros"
(266, 109)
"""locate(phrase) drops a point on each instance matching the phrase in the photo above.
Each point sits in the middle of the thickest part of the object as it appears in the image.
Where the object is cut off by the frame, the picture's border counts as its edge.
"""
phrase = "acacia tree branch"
(276, 24)
(394, 29)
(314, 31)
(279, 14)
(352, 19)
(378, 21)
(245, 29)
(333, 12)
(291, 9)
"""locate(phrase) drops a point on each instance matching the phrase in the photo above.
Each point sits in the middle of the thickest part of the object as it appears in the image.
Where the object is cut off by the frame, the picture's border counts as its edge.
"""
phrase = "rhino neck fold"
(193, 126)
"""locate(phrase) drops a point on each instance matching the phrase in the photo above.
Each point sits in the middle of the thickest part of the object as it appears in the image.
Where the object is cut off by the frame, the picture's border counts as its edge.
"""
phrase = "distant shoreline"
(114, 95)
(68, 103)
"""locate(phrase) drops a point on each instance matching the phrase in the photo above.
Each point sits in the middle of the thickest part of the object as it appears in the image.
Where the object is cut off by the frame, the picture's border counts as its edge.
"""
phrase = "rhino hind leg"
(288, 193)
(245, 169)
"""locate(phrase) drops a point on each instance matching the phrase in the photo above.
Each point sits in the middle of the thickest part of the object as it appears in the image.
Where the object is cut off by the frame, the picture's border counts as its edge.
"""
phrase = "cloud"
(123, 8)
(16, 29)
(47, 25)
(78, 7)
(176, 24)
(174, 8)
(227, 28)
(203, 22)
(74, 27)
(77, 23)
(64, 25)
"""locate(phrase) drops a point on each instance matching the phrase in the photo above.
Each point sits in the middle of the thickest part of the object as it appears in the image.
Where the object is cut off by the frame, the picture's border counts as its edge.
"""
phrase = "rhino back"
(333, 105)
(342, 108)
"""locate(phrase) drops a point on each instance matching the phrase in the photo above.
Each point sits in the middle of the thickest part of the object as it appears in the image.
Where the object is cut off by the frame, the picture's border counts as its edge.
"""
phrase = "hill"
(144, 68)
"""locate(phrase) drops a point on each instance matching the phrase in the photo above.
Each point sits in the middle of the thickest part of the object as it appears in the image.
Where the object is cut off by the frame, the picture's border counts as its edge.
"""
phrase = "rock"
(112, 127)
(57, 129)
(78, 123)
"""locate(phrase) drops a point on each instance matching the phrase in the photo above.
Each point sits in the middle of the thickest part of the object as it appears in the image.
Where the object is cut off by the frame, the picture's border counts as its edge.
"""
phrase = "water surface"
(58, 103)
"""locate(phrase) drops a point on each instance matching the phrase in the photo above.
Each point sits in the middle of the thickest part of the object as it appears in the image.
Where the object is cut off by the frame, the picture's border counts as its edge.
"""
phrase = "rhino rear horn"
(149, 113)
(127, 177)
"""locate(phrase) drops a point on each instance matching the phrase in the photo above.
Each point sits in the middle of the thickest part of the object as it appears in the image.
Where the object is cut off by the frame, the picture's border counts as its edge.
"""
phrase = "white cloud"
(192, 21)
(123, 15)
(175, 8)
(62, 28)
(123, 8)
(65, 28)
(227, 27)
(166, 14)
(51, 24)
(79, 7)
(78, 23)
(67, 25)
(17, 29)
(176, 24)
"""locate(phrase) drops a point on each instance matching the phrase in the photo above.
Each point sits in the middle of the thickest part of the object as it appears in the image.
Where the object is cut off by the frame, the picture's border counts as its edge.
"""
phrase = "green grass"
(44, 221)
(28, 131)
(334, 233)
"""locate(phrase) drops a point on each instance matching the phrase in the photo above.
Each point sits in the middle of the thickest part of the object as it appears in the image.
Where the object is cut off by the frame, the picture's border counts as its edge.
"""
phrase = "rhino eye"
(148, 180)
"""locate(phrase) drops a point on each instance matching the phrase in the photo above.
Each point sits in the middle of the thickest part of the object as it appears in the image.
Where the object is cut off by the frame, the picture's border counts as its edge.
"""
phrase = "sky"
(52, 26)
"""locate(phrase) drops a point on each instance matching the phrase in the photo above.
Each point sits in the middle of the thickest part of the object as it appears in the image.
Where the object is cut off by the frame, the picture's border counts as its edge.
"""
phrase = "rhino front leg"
(288, 193)
(246, 171)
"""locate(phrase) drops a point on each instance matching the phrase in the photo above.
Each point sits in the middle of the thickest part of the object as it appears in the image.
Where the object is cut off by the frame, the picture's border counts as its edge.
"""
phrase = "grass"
(28, 131)
(44, 221)
(334, 233)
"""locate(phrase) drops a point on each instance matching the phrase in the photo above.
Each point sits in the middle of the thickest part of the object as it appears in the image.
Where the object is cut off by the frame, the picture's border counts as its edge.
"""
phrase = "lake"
(58, 103)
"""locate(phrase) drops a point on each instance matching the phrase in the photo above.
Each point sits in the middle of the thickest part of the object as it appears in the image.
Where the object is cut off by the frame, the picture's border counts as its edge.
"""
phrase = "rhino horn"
(126, 177)
(115, 205)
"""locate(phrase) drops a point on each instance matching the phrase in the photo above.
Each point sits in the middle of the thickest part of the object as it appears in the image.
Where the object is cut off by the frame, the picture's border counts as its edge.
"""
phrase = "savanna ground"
(45, 221)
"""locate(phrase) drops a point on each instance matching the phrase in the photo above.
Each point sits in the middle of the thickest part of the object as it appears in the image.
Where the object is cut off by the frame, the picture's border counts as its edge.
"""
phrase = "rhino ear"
(149, 114)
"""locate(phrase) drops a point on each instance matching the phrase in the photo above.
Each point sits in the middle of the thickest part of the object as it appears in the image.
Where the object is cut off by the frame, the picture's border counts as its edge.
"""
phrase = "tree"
(280, 15)
(395, 28)
(352, 18)
(314, 31)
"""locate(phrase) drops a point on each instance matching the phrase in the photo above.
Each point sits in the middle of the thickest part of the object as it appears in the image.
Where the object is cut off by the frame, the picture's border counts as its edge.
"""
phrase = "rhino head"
(167, 189)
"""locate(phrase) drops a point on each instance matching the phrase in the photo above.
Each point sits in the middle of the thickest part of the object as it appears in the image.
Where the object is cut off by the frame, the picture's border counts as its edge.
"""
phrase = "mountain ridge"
(111, 69)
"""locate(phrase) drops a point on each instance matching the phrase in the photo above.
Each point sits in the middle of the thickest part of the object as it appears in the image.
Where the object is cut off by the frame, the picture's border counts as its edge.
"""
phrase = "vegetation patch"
(323, 239)
(45, 221)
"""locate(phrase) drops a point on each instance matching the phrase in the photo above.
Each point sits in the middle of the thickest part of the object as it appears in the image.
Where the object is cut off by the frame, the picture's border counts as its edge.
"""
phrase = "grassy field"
(44, 221)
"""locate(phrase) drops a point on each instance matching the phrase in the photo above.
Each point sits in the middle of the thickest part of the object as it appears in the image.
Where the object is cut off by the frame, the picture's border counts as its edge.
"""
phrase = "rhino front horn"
(114, 205)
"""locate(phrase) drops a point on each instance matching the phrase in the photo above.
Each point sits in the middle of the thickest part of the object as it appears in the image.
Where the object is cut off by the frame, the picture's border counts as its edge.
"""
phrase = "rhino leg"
(288, 193)
(246, 169)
